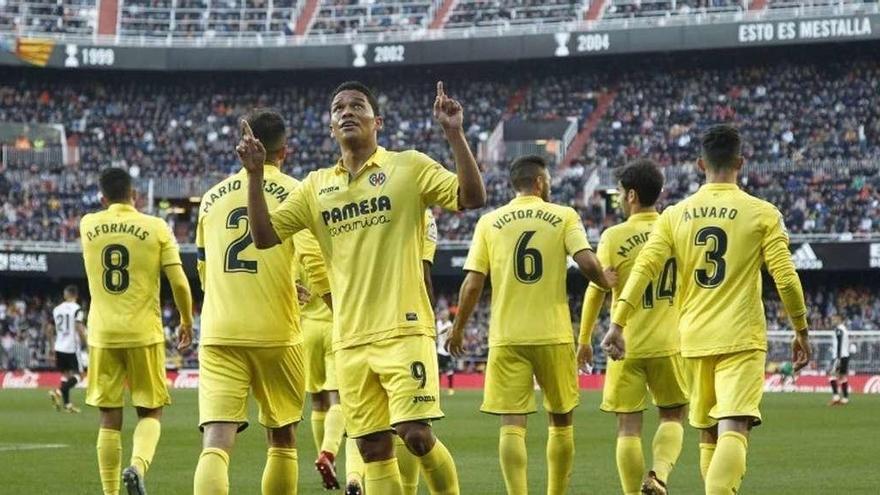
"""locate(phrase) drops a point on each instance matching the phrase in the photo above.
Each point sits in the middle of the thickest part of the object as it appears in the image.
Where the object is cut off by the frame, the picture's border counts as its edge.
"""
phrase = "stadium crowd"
(814, 129)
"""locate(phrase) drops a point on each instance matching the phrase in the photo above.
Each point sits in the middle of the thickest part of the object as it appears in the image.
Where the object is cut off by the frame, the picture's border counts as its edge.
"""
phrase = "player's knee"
(219, 436)
(561, 419)
(111, 418)
(629, 424)
(709, 435)
(376, 447)
(284, 437)
(155, 413)
(418, 437)
(676, 414)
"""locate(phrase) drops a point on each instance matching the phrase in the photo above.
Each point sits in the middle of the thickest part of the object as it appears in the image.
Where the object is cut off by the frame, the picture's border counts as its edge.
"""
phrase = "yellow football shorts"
(513, 369)
(726, 385)
(143, 368)
(628, 382)
(320, 363)
(388, 382)
(274, 374)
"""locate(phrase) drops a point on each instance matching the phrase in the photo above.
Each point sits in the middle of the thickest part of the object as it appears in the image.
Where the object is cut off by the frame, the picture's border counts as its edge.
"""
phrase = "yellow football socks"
(281, 473)
(630, 464)
(514, 458)
(334, 428)
(439, 468)
(317, 420)
(110, 459)
(354, 463)
(212, 473)
(409, 466)
(707, 450)
(146, 437)
(728, 464)
(666, 448)
(560, 456)
(382, 477)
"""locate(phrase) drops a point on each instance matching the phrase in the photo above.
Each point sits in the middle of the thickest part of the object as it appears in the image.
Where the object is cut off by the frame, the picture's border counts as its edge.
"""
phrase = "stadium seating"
(663, 8)
(469, 13)
(184, 127)
(355, 16)
(48, 16)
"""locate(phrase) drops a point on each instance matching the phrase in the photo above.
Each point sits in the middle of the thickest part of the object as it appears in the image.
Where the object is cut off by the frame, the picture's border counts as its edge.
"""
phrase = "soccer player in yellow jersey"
(720, 236)
(367, 214)
(523, 246)
(250, 333)
(125, 252)
(653, 361)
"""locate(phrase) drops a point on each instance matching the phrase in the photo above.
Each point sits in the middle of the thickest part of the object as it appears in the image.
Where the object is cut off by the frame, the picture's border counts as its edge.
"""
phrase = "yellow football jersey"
(720, 237)
(370, 227)
(429, 244)
(250, 298)
(523, 248)
(652, 330)
(313, 275)
(124, 252)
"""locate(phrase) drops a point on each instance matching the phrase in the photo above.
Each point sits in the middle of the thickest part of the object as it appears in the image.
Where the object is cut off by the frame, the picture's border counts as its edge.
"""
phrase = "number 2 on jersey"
(715, 256)
(528, 265)
(233, 263)
(665, 287)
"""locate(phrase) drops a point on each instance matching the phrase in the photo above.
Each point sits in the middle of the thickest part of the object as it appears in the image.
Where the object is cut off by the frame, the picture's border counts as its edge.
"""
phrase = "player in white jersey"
(66, 341)
(840, 363)
(444, 359)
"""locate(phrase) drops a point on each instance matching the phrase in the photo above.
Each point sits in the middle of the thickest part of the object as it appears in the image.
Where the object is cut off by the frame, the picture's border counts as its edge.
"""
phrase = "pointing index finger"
(246, 129)
(440, 90)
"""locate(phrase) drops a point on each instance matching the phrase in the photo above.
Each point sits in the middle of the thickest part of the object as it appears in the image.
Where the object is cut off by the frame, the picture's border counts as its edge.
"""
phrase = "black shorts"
(840, 366)
(445, 363)
(67, 361)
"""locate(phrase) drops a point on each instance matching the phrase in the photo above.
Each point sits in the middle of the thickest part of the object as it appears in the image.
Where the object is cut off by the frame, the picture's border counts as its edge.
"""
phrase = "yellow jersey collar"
(719, 186)
(120, 207)
(645, 215)
(526, 199)
(375, 160)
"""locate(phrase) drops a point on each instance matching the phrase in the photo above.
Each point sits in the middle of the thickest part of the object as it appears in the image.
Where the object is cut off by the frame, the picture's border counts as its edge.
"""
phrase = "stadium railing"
(250, 39)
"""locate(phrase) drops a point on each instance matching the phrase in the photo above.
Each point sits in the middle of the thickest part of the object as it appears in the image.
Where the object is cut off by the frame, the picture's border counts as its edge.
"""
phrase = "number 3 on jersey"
(715, 256)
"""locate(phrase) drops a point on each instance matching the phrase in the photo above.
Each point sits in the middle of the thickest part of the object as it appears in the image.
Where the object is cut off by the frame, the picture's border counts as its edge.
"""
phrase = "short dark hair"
(268, 126)
(722, 146)
(360, 88)
(525, 169)
(115, 184)
(71, 290)
(644, 177)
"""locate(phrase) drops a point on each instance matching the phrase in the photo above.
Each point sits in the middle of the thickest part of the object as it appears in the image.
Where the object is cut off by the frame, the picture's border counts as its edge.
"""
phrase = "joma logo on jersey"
(377, 179)
(354, 210)
(423, 398)
(328, 190)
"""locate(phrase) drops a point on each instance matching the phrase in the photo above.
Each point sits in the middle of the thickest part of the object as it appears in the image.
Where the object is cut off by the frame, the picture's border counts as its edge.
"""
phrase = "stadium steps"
(108, 17)
(580, 141)
(306, 17)
(597, 8)
(441, 15)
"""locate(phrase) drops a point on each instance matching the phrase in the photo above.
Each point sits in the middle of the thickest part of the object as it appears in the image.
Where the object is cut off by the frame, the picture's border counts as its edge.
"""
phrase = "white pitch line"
(4, 447)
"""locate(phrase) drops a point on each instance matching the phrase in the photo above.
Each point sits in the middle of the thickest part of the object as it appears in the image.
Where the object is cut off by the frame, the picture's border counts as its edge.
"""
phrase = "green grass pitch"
(804, 447)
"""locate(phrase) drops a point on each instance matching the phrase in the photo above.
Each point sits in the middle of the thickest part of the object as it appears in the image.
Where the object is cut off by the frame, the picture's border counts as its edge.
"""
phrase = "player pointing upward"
(720, 237)
(367, 214)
